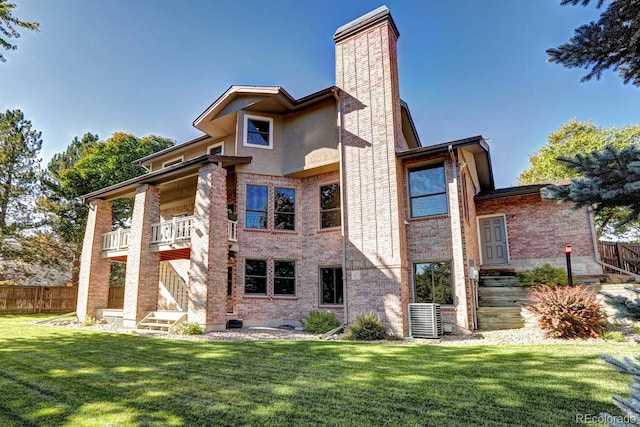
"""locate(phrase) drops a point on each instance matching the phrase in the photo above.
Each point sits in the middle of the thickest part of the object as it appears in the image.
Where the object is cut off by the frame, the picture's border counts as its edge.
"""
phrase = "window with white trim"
(258, 131)
(216, 149)
(428, 191)
(173, 161)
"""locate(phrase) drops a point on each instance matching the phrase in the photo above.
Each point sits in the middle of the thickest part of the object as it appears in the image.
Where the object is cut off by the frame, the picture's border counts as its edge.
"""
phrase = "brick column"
(93, 283)
(376, 257)
(143, 266)
(209, 250)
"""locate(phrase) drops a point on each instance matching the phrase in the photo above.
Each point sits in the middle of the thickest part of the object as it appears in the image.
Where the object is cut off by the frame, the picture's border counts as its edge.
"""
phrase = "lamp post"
(567, 251)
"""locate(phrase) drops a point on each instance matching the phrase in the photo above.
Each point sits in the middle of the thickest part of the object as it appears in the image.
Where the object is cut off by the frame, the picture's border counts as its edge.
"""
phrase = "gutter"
(336, 94)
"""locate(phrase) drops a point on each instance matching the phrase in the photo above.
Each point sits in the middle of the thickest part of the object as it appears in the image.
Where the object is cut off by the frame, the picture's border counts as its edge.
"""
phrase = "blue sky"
(467, 67)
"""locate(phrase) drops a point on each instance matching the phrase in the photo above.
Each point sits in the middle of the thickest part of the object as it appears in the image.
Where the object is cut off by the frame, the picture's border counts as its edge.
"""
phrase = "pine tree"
(19, 166)
(609, 182)
(613, 42)
(631, 406)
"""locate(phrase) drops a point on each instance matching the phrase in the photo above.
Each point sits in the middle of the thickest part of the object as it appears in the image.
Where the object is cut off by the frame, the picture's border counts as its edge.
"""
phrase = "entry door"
(493, 240)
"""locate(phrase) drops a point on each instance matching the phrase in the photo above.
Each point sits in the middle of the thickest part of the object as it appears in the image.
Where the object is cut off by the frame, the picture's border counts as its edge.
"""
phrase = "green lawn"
(58, 376)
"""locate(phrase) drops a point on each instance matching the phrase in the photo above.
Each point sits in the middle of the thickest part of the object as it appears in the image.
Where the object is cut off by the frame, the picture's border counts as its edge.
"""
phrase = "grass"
(81, 377)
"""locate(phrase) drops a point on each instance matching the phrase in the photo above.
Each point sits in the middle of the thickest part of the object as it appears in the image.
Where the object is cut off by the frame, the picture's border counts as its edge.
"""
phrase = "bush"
(320, 322)
(545, 275)
(616, 336)
(89, 321)
(366, 327)
(187, 328)
(568, 311)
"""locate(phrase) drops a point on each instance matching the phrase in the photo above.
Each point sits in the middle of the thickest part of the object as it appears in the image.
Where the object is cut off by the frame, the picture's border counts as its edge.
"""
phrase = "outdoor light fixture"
(567, 251)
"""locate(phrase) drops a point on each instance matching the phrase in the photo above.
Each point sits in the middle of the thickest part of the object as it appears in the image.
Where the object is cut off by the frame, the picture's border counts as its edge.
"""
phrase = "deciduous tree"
(572, 138)
(85, 166)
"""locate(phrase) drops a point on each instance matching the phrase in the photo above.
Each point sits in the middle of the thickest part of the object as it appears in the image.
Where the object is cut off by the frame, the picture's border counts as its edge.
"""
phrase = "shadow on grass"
(52, 376)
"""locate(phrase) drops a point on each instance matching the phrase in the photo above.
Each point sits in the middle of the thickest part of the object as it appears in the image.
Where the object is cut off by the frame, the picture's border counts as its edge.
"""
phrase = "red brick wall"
(367, 74)
(308, 246)
(538, 229)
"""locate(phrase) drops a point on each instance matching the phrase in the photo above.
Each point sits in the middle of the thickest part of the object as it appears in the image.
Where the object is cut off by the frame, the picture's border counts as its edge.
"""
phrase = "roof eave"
(163, 175)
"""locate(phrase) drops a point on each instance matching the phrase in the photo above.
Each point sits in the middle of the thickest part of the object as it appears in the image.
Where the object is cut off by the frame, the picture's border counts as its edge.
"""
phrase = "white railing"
(116, 240)
(162, 233)
(176, 230)
(232, 230)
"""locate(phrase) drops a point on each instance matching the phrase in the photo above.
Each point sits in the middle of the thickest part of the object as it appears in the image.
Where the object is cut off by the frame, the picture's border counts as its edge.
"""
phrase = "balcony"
(171, 232)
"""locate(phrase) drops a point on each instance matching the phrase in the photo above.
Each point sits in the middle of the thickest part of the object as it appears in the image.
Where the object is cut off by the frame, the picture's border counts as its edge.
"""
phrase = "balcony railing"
(116, 240)
(162, 233)
(174, 231)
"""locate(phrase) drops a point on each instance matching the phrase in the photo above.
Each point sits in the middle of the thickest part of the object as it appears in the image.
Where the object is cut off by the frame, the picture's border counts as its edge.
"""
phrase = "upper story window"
(257, 206)
(284, 209)
(428, 191)
(173, 161)
(216, 149)
(258, 131)
(330, 212)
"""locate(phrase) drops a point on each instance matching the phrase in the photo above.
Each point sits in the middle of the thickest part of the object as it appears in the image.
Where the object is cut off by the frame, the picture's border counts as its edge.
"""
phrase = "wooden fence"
(38, 299)
(116, 297)
(622, 255)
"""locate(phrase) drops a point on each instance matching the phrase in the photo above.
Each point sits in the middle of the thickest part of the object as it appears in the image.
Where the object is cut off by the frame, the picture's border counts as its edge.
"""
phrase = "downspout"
(336, 94)
(596, 252)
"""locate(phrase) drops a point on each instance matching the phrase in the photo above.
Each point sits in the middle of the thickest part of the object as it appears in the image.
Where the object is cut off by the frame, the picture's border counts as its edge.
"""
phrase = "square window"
(258, 131)
(428, 191)
(331, 292)
(257, 206)
(433, 282)
(255, 276)
(284, 217)
(330, 211)
(284, 277)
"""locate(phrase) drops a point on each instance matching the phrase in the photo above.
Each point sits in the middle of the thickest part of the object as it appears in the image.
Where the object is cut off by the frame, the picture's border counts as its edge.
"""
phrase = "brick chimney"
(367, 76)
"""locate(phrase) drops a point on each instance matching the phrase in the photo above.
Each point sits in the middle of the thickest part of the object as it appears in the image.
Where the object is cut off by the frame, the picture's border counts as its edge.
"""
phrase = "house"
(326, 202)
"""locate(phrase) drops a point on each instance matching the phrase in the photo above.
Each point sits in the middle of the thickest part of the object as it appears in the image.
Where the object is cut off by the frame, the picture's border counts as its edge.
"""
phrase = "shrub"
(568, 311)
(545, 275)
(366, 327)
(616, 336)
(187, 328)
(89, 321)
(320, 322)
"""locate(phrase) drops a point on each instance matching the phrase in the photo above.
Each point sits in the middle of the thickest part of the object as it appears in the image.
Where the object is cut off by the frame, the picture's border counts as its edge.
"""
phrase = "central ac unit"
(425, 320)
